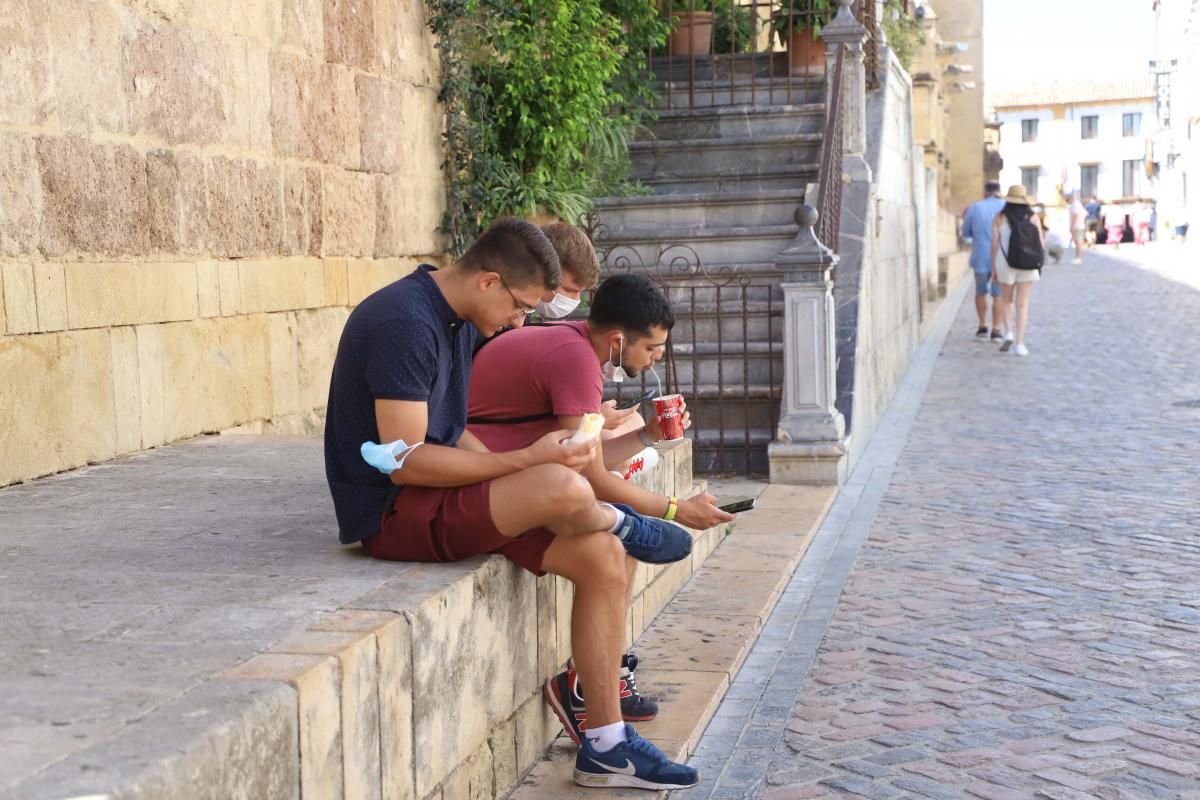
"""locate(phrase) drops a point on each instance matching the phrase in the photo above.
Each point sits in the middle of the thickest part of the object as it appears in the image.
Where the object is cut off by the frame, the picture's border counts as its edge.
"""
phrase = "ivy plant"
(540, 99)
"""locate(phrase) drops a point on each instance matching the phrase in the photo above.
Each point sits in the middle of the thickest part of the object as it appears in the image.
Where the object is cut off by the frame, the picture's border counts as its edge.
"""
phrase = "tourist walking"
(1077, 215)
(1017, 254)
(977, 226)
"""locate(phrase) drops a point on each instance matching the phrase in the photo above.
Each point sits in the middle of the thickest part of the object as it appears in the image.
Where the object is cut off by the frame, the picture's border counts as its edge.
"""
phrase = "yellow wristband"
(672, 507)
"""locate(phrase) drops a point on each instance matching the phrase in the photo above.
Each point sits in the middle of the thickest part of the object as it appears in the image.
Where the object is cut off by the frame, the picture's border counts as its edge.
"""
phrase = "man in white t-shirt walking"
(1077, 216)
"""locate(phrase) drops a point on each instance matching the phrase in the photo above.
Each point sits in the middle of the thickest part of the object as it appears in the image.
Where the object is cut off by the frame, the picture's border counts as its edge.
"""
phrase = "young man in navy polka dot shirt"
(401, 373)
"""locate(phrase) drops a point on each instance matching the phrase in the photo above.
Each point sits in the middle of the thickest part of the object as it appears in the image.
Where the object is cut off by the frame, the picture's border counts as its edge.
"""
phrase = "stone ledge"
(331, 670)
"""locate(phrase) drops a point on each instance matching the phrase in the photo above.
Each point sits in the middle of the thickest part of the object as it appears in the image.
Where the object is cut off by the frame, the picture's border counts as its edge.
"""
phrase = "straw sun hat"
(1016, 194)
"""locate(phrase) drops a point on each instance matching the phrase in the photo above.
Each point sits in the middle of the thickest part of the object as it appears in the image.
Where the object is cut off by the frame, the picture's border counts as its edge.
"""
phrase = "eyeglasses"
(521, 309)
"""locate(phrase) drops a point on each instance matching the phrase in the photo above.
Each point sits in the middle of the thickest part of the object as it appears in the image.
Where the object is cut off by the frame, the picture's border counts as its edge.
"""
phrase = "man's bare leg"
(981, 309)
(547, 496)
(595, 563)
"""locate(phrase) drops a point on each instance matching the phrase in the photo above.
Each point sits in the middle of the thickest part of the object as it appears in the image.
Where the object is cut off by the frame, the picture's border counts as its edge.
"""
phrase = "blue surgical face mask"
(615, 372)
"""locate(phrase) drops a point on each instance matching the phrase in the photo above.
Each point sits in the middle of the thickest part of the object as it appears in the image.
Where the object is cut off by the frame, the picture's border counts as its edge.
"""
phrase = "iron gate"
(724, 355)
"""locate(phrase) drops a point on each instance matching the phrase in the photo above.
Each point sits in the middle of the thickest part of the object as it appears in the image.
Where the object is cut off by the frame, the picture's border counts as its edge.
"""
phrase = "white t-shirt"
(1078, 216)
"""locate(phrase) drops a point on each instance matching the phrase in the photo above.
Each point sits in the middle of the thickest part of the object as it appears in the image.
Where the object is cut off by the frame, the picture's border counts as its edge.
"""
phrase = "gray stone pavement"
(1005, 600)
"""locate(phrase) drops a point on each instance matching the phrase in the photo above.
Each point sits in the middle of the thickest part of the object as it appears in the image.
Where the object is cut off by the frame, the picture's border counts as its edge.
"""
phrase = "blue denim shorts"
(984, 285)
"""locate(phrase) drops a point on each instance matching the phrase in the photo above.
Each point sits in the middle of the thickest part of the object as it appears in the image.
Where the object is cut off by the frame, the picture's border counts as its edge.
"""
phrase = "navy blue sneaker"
(653, 541)
(635, 763)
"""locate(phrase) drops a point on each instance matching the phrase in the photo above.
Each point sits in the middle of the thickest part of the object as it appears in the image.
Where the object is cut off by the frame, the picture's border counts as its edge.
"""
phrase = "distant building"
(1092, 138)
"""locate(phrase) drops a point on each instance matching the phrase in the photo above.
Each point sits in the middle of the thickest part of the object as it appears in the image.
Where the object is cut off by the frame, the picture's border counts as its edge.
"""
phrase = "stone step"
(718, 122)
(701, 209)
(733, 366)
(723, 245)
(661, 158)
(720, 66)
(797, 90)
(717, 451)
(733, 407)
(795, 177)
(697, 644)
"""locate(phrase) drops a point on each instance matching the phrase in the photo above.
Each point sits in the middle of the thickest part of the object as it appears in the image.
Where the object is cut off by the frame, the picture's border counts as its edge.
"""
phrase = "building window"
(1131, 124)
(1089, 127)
(1130, 177)
(1029, 130)
(1029, 179)
(1089, 180)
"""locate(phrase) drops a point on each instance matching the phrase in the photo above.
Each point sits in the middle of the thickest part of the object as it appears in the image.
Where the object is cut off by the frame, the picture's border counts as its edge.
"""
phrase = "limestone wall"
(192, 194)
(878, 294)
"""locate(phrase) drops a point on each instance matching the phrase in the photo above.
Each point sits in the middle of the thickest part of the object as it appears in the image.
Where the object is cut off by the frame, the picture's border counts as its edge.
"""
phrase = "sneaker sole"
(638, 718)
(559, 711)
(594, 781)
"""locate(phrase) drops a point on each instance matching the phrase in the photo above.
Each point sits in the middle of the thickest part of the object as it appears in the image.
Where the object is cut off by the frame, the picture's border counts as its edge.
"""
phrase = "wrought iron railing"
(829, 191)
(867, 13)
(734, 52)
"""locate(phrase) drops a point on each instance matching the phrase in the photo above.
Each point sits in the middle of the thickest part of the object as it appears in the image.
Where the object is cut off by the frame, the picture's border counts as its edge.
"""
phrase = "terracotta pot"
(693, 34)
(806, 53)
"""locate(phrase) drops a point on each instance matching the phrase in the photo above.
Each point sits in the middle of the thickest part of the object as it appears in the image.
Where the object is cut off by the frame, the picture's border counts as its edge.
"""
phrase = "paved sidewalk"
(1023, 617)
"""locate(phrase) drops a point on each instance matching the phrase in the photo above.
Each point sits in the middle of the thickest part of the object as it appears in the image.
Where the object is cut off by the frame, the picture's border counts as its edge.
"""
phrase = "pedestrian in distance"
(1018, 253)
(412, 484)
(1077, 217)
(1092, 207)
(977, 227)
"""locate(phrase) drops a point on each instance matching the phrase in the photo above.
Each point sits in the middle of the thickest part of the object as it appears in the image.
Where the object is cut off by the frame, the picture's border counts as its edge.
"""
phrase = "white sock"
(606, 737)
(620, 519)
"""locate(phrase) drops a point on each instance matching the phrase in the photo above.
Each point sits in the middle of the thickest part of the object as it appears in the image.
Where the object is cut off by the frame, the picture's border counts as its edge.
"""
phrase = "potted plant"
(692, 28)
(796, 24)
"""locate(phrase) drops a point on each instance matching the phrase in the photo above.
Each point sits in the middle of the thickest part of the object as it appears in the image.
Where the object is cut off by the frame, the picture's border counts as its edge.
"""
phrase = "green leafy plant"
(733, 28)
(902, 30)
(540, 97)
(790, 15)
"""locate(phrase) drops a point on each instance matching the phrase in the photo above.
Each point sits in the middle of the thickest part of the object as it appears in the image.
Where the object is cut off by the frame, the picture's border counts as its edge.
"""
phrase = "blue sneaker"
(653, 541)
(635, 763)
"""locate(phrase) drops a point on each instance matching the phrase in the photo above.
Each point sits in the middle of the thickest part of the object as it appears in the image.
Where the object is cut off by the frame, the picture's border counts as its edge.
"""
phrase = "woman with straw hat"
(1016, 284)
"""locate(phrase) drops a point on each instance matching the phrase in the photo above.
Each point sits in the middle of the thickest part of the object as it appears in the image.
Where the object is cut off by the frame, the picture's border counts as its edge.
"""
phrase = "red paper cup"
(668, 410)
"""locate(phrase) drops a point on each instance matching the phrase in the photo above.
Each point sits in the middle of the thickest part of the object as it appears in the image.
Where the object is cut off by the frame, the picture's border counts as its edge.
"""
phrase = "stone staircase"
(727, 163)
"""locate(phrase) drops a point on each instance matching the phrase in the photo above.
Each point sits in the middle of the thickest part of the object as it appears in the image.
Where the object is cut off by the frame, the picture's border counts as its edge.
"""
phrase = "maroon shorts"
(449, 525)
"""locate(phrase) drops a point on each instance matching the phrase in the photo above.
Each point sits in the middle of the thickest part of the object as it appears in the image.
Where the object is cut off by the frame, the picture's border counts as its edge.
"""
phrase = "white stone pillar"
(809, 444)
(845, 30)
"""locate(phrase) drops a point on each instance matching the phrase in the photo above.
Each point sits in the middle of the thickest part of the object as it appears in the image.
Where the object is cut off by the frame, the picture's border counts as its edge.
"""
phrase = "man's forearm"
(437, 466)
(620, 449)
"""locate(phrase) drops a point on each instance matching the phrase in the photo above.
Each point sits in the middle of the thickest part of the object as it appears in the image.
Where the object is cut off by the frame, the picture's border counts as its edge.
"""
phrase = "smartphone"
(637, 401)
(737, 505)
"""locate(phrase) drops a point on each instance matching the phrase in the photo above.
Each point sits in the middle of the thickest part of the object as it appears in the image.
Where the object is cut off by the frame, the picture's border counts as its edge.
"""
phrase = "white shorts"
(1007, 276)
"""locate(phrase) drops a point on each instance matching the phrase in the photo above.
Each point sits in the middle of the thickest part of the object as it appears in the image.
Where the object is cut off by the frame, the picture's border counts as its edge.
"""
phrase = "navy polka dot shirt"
(404, 342)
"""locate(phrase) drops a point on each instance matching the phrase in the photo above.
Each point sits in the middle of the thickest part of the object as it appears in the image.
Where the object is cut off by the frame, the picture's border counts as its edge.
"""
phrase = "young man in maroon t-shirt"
(539, 379)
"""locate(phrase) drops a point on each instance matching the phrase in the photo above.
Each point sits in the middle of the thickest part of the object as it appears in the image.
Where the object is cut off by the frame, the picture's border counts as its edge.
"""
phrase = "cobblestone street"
(1023, 618)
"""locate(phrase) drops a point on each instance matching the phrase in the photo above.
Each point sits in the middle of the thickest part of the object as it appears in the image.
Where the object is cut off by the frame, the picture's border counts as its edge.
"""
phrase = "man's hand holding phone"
(699, 512)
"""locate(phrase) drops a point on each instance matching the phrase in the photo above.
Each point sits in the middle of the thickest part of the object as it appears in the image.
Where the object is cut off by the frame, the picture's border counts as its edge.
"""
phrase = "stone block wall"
(193, 193)
(879, 296)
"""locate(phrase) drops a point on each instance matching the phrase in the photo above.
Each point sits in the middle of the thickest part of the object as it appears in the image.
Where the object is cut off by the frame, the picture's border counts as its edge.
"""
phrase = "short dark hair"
(633, 303)
(575, 253)
(992, 187)
(518, 251)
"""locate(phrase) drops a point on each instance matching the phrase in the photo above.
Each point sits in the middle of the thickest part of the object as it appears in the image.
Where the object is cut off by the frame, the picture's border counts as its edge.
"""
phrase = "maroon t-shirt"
(534, 370)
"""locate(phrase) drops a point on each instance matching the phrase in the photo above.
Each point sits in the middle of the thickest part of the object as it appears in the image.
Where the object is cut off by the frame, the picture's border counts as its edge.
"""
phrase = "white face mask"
(614, 372)
(561, 306)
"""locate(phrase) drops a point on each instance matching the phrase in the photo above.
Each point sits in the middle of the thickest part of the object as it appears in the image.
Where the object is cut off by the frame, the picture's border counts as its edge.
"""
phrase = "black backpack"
(1025, 249)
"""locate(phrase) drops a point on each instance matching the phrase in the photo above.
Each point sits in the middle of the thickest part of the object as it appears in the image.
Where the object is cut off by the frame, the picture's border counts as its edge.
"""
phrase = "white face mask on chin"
(561, 306)
(614, 372)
